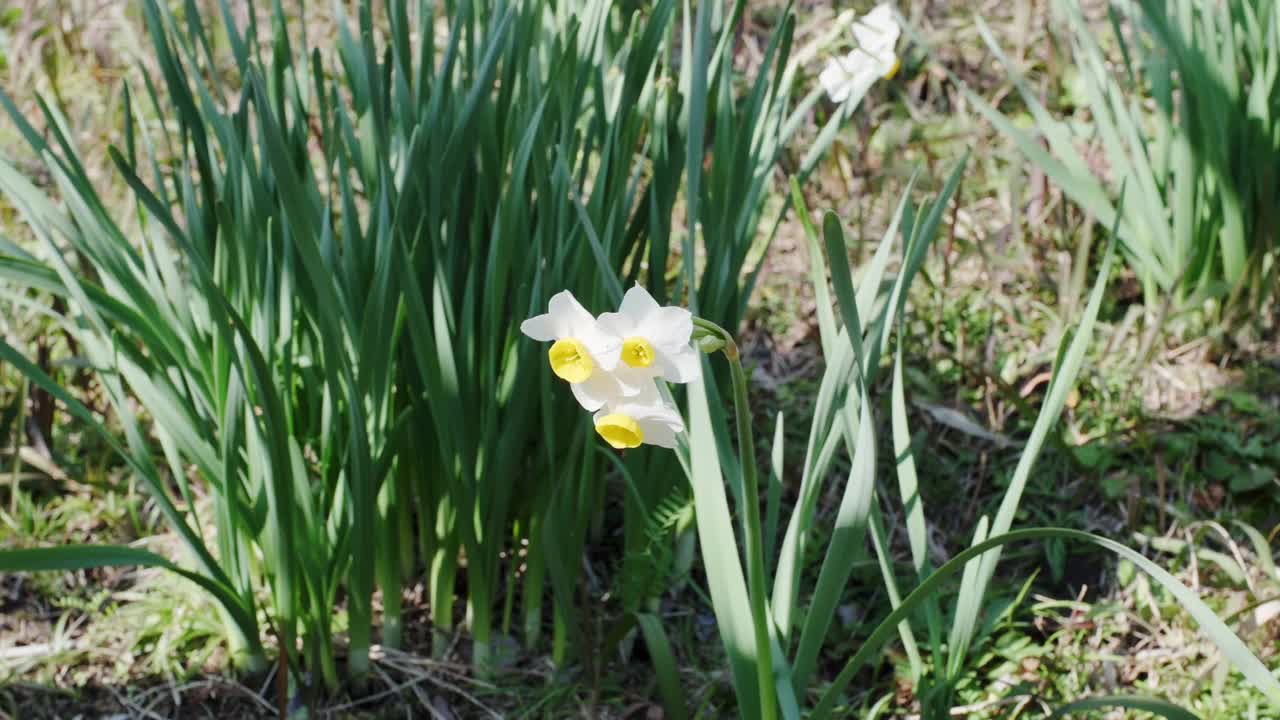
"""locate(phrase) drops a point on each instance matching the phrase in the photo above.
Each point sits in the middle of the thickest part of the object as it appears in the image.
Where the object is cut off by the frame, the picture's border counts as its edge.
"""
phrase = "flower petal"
(877, 31)
(604, 346)
(669, 329)
(572, 320)
(540, 327)
(659, 434)
(638, 304)
(681, 367)
(646, 401)
(863, 73)
(636, 382)
(659, 421)
(835, 81)
(669, 418)
(597, 391)
(567, 311)
(650, 405)
(617, 323)
(885, 65)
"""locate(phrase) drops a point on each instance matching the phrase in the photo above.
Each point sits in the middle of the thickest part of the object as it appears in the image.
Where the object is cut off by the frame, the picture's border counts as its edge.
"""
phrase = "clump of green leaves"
(774, 645)
(1190, 178)
(307, 313)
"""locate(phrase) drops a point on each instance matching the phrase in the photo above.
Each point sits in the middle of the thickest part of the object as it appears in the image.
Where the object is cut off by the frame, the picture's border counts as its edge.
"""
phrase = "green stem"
(388, 564)
(513, 570)
(442, 574)
(243, 644)
(15, 481)
(324, 658)
(359, 638)
(534, 578)
(559, 636)
(480, 620)
(751, 511)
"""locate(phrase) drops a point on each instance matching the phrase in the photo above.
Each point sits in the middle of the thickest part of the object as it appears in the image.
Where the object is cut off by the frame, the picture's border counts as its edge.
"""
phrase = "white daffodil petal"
(863, 77)
(877, 31)
(858, 71)
(650, 405)
(682, 367)
(669, 329)
(616, 324)
(637, 305)
(659, 434)
(602, 345)
(644, 401)
(597, 391)
(636, 382)
(835, 81)
(885, 66)
(565, 308)
(664, 415)
(541, 328)
(875, 35)
(659, 423)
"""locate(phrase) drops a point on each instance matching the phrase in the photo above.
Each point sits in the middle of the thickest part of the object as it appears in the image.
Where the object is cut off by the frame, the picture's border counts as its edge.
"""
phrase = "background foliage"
(244, 265)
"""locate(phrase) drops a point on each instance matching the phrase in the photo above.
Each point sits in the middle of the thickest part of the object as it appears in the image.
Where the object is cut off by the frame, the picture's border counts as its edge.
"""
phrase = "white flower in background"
(876, 35)
(643, 419)
(655, 342)
(583, 354)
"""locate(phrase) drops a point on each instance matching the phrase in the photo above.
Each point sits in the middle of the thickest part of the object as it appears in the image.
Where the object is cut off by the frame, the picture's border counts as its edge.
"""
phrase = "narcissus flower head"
(655, 342)
(582, 353)
(612, 363)
(875, 34)
(644, 419)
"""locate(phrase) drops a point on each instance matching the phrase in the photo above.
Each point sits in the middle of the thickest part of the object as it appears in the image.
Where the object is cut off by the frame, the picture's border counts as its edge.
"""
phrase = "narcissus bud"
(710, 344)
(707, 341)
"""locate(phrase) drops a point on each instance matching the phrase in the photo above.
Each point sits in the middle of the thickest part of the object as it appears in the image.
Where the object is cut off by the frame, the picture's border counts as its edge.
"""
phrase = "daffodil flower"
(611, 362)
(583, 353)
(644, 419)
(876, 35)
(655, 342)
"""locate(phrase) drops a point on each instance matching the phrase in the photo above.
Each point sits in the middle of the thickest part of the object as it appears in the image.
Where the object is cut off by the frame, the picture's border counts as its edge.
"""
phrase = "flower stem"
(751, 510)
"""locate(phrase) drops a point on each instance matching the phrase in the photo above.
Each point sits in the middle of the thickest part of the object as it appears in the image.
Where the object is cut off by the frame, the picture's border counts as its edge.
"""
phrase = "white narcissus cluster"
(611, 362)
(872, 58)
